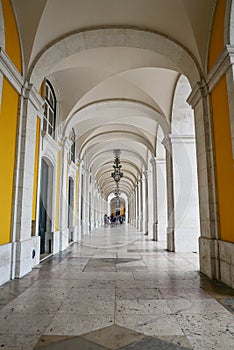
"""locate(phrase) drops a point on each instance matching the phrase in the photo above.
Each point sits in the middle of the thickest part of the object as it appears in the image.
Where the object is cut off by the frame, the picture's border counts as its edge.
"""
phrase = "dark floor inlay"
(108, 262)
(228, 303)
(114, 337)
(71, 343)
(150, 343)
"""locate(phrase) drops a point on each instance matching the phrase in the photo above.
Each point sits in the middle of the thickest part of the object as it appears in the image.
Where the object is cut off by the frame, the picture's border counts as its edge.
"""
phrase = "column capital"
(139, 182)
(166, 142)
(182, 138)
(199, 91)
(67, 143)
(148, 173)
(160, 160)
(29, 92)
(153, 160)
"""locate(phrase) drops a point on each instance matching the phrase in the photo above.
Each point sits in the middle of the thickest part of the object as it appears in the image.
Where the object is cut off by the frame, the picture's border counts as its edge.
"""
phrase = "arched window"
(50, 110)
(73, 146)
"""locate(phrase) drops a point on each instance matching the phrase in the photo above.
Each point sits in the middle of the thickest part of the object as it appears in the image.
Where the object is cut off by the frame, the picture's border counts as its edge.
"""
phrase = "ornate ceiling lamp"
(117, 174)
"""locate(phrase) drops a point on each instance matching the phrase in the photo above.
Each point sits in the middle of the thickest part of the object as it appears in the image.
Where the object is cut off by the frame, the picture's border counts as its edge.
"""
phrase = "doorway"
(70, 209)
(45, 209)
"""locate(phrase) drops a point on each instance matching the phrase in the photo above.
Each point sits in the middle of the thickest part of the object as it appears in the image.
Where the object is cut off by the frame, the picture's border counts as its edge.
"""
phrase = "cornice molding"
(199, 91)
(223, 63)
(219, 69)
(23, 88)
(49, 142)
(10, 71)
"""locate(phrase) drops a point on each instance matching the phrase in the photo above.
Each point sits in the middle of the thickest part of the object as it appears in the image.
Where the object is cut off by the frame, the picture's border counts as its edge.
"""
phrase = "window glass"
(49, 121)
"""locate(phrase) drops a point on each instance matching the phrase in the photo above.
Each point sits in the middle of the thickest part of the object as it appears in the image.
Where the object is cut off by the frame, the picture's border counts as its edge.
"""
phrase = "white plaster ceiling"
(114, 97)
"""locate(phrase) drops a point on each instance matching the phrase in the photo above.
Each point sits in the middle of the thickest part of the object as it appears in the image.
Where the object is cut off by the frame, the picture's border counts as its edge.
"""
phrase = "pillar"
(208, 242)
(64, 231)
(144, 186)
(154, 201)
(139, 197)
(23, 242)
(170, 195)
(160, 163)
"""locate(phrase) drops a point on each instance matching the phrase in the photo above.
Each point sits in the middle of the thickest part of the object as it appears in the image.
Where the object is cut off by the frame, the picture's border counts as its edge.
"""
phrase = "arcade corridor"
(116, 113)
(116, 289)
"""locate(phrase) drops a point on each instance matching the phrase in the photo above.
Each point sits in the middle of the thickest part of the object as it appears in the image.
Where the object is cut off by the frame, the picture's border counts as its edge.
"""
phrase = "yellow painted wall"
(11, 35)
(36, 163)
(222, 133)
(57, 192)
(8, 122)
(217, 34)
(224, 161)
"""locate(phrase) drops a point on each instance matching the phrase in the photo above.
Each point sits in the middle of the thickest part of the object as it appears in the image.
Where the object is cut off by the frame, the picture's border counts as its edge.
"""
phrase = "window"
(73, 146)
(50, 110)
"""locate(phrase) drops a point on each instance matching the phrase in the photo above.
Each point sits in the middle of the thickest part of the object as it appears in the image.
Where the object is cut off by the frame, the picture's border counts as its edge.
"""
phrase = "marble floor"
(116, 289)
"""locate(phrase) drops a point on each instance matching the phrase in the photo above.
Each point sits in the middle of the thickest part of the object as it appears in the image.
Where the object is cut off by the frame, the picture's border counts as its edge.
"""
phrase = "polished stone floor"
(116, 289)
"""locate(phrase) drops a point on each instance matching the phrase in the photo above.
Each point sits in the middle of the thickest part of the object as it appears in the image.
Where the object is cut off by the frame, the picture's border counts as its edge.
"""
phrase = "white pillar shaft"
(161, 199)
(170, 200)
(155, 209)
(144, 206)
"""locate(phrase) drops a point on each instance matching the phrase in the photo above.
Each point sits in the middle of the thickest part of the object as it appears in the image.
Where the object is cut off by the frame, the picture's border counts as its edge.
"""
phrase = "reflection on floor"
(116, 289)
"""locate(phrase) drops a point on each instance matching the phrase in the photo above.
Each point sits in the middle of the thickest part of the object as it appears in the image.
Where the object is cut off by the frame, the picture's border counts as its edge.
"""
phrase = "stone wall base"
(226, 256)
(5, 266)
(217, 260)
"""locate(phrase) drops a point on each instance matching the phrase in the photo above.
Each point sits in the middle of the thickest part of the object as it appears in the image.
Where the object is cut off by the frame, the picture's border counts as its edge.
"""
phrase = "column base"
(155, 232)
(208, 253)
(226, 256)
(55, 242)
(5, 258)
(170, 239)
(64, 234)
(27, 256)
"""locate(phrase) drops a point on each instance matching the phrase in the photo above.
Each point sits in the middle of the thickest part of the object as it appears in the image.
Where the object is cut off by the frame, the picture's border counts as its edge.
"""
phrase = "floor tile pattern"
(117, 289)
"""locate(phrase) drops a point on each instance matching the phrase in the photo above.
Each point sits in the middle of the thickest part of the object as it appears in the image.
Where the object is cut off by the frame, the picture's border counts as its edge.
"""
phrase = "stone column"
(136, 207)
(83, 201)
(132, 208)
(170, 195)
(154, 202)
(86, 202)
(130, 203)
(148, 174)
(139, 192)
(208, 242)
(161, 198)
(186, 208)
(64, 231)
(23, 242)
(144, 204)
(79, 223)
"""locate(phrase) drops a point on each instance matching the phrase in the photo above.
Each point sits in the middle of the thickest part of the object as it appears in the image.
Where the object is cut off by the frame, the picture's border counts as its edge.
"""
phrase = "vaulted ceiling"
(116, 92)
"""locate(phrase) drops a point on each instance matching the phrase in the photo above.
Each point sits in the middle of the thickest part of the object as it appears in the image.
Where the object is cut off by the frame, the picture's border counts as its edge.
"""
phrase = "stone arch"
(229, 23)
(229, 39)
(114, 37)
(142, 106)
(118, 134)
